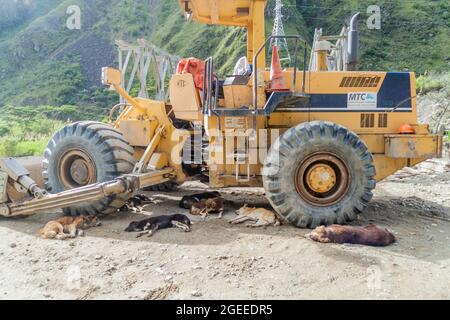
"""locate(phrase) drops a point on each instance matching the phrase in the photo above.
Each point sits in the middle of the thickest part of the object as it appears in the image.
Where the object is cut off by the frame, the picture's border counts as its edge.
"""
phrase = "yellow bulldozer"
(316, 139)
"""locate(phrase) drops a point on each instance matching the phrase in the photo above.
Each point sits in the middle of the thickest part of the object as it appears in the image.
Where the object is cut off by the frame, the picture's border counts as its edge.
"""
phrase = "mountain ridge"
(43, 62)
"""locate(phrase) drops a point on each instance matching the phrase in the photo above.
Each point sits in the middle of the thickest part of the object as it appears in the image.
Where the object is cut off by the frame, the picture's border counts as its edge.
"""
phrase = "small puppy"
(207, 206)
(261, 216)
(371, 235)
(187, 201)
(68, 227)
(151, 225)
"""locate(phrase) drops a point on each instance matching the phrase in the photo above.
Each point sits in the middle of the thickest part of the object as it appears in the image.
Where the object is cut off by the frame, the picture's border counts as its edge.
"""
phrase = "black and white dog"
(187, 201)
(151, 225)
(136, 203)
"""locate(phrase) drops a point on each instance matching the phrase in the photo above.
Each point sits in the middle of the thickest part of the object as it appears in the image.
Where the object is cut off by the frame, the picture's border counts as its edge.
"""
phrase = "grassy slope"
(415, 34)
(225, 44)
(44, 63)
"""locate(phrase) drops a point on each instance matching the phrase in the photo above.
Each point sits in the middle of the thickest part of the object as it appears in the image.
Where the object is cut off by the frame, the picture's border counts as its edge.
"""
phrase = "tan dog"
(68, 227)
(206, 206)
(370, 235)
(261, 216)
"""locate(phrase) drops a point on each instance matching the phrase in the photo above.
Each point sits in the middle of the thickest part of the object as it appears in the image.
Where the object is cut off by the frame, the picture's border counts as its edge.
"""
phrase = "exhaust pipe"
(353, 44)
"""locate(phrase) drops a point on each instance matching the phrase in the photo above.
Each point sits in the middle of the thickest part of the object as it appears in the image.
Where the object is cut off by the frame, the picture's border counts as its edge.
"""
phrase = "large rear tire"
(319, 173)
(84, 153)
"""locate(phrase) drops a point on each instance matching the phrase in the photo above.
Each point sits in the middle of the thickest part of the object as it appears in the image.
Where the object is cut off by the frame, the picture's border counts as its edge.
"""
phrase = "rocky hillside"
(44, 62)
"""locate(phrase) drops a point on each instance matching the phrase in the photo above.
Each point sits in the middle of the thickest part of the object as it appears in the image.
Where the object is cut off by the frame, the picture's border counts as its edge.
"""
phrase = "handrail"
(208, 85)
(255, 68)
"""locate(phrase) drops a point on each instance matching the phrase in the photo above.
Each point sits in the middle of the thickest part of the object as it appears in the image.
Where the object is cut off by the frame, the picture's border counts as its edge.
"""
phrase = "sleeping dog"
(68, 227)
(371, 235)
(151, 225)
(206, 206)
(187, 201)
(137, 203)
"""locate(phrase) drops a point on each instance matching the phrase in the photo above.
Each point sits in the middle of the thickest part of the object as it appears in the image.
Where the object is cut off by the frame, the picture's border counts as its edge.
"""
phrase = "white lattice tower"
(278, 30)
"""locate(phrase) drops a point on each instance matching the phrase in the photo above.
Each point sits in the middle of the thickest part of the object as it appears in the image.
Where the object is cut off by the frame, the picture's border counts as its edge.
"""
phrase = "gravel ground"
(220, 261)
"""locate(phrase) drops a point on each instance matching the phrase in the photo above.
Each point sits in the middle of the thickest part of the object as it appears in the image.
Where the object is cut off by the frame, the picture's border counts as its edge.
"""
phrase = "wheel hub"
(322, 179)
(80, 171)
(77, 169)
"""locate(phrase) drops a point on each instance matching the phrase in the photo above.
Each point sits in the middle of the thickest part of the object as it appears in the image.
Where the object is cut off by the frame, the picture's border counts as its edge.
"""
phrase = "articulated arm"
(11, 172)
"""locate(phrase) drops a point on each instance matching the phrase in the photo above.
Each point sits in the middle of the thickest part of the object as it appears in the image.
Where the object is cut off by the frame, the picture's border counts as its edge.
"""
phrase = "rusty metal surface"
(76, 169)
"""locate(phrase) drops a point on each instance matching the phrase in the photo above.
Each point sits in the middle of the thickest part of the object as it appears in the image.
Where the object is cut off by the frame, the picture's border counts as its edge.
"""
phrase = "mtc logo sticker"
(362, 100)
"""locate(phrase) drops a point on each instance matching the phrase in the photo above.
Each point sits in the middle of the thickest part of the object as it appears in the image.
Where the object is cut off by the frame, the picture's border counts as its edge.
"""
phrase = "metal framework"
(337, 59)
(143, 61)
(278, 32)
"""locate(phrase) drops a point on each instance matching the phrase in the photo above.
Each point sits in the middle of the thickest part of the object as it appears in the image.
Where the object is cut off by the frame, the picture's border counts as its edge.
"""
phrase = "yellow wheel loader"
(316, 139)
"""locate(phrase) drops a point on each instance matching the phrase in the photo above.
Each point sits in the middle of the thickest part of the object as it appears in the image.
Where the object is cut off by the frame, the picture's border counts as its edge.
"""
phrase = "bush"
(4, 129)
(427, 84)
(25, 131)
(8, 148)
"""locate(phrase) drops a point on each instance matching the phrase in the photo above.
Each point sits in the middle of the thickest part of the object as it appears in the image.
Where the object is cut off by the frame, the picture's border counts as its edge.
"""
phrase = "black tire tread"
(287, 146)
(117, 155)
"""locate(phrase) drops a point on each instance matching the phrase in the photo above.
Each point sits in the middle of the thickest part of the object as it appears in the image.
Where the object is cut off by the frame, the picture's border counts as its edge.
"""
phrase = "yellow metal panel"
(171, 140)
(158, 161)
(350, 120)
(412, 146)
(387, 166)
(111, 76)
(333, 82)
(184, 98)
(137, 132)
(222, 12)
(238, 96)
(375, 142)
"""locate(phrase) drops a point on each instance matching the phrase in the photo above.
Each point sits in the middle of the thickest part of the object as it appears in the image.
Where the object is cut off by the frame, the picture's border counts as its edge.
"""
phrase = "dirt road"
(220, 261)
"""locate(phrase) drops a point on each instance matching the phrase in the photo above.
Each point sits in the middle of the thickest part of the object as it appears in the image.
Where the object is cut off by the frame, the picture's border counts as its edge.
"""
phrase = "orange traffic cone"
(276, 73)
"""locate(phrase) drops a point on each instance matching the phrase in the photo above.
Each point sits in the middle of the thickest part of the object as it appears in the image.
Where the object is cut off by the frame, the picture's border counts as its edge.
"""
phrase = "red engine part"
(194, 66)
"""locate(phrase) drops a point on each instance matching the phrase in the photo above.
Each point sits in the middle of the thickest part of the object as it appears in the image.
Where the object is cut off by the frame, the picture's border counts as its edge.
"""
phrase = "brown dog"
(68, 227)
(371, 235)
(262, 217)
(207, 206)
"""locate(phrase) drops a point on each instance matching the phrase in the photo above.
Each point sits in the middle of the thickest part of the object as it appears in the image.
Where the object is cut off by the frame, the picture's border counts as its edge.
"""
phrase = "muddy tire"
(83, 153)
(324, 175)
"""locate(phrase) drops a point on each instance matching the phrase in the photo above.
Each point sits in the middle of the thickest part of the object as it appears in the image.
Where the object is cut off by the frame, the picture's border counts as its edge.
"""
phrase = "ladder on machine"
(242, 156)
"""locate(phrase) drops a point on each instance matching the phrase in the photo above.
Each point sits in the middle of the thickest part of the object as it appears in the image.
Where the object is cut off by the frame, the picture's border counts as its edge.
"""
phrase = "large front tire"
(84, 153)
(319, 173)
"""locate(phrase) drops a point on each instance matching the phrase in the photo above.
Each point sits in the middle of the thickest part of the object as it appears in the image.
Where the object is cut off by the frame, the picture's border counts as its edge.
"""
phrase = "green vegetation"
(447, 136)
(433, 82)
(37, 50)
(414, 34)
(25, 131)
(46, 69)
(26, 137)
